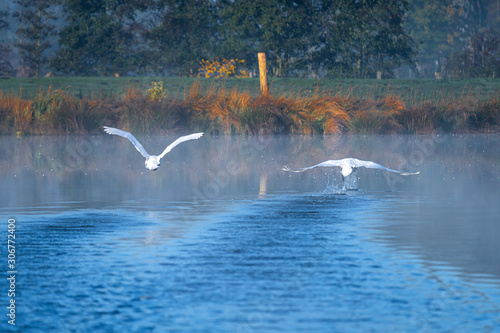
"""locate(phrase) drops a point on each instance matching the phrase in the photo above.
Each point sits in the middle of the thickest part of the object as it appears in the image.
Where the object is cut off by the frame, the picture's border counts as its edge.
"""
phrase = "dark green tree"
(101, 37)
(480, 55)
(359, 38)
(480, 59)
(482, 14)
(283, 29)
(345, 37)
(448, 32)
(35, 26)
(438, 28)
(184, 32)
(5, 65)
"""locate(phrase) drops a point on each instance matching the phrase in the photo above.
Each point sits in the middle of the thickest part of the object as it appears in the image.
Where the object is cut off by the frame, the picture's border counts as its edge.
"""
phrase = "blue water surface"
(253, 258)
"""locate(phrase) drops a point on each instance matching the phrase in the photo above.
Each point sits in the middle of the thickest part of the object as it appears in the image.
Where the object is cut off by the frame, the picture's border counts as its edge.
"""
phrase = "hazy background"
(398, 38)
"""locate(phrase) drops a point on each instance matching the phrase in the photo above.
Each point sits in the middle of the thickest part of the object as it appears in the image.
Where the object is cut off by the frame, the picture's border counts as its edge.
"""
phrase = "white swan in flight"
(349, 166)
(152, 161)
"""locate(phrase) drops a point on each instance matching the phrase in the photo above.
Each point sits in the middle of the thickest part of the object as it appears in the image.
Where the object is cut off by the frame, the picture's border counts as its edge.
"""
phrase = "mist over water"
(220, 239)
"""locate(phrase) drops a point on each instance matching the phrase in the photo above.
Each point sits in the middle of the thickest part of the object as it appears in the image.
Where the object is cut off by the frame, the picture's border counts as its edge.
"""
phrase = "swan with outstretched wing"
(152, 161)
(350, 165)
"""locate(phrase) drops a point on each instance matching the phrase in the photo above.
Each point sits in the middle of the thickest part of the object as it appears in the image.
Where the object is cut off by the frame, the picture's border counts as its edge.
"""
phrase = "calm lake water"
(219, 239)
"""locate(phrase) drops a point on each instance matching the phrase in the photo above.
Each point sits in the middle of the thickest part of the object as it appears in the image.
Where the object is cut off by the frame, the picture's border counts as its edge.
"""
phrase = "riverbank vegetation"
(295, 106)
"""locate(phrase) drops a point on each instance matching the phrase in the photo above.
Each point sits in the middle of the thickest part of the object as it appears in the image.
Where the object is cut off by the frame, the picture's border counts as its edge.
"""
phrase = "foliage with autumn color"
(218, 110)
(222, 69)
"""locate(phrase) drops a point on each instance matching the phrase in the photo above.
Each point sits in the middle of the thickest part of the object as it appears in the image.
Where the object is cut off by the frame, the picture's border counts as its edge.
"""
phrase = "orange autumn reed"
(219, 110)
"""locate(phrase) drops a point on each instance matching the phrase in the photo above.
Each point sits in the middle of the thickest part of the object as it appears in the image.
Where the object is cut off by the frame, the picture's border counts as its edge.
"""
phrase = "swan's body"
(348, 167)
(152, 161)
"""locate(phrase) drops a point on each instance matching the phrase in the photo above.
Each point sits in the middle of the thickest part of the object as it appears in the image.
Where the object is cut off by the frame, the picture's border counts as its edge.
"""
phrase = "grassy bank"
(410, 91)
(302, 106)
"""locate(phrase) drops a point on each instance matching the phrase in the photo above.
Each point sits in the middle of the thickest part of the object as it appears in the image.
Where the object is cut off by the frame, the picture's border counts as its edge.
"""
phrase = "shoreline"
(295, 106)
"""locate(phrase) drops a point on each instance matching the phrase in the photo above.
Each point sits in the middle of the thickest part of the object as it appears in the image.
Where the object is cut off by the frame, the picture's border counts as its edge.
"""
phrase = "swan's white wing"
(372, 165)
(180, 140)
(352, 162)
(329, 163)
(119, 132)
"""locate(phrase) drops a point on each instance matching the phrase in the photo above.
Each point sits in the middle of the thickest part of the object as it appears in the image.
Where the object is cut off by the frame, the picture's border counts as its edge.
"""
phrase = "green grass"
(411, 92)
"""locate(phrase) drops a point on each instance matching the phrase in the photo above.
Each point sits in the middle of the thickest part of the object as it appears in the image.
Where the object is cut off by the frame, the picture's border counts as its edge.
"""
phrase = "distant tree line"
(337, 38)
(5, 66)
(456, 38)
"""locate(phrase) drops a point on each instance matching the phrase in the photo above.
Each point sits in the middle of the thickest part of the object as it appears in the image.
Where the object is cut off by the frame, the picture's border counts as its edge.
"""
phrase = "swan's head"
(152, 163)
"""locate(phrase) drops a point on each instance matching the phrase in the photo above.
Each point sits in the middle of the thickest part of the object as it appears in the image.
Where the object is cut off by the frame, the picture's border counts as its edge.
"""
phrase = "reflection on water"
(220, 239)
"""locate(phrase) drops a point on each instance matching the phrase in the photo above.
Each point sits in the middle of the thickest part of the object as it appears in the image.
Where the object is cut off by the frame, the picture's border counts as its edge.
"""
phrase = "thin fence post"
(264, 87)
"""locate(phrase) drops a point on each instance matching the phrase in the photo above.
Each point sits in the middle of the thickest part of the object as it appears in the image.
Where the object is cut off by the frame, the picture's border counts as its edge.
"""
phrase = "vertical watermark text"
(11, 270)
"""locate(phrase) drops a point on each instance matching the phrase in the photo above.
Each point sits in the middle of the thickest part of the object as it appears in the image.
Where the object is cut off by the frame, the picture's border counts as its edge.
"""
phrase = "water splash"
(333, 188)
(351, 182)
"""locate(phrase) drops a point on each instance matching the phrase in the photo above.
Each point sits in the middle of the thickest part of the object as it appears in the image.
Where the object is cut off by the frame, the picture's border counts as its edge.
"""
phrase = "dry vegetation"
(232, 111)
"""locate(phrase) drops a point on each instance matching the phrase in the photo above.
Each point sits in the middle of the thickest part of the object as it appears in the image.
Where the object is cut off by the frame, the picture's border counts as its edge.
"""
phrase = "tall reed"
(15, 113)
(216, 109)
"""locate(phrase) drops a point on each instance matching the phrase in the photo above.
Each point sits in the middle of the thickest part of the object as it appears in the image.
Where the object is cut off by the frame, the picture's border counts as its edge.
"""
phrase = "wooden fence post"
(264, 87)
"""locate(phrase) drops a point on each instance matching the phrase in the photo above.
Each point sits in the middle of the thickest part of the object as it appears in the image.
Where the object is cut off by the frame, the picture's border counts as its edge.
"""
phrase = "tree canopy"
(100, 37)
(339, 38)
(34, 27)
(283, 29)
(359, 38)
(5, 65)
(183, 33)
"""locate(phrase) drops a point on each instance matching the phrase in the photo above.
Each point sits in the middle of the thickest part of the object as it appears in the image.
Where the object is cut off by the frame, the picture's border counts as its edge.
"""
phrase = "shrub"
(369, 117)
(75, 116)
(320, 114)
(417, 119)
(486, 116)
(142, 114)
(16, 114)
(222, 68)
(157, 93)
